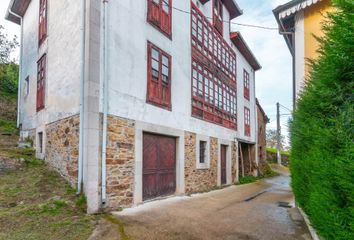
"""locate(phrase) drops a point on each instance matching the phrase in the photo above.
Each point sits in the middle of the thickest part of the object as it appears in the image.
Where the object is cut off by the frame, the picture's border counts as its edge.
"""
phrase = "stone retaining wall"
(120, 162)
(62, 147)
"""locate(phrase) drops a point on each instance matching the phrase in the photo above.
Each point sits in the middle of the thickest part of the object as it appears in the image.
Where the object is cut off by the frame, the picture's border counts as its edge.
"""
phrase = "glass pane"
(165, 71)
(154, 54)
(155, 65)
(165, 61)
(165, 6)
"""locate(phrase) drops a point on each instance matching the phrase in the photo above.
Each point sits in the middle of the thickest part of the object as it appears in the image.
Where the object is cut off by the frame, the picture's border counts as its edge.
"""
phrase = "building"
(262, 121)
(299, 21)
(134, 100)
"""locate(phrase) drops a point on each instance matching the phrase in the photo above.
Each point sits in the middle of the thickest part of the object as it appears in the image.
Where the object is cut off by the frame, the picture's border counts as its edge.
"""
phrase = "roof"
(231, 6)
(242, 46)
(17, 7)
(262, 111)
(292, 7)
(284, 14)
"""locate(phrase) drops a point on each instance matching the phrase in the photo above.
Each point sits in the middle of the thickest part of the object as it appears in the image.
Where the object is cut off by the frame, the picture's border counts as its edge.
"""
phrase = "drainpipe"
(19, 97)
(105, 97)
(82, 99)
(255, 122)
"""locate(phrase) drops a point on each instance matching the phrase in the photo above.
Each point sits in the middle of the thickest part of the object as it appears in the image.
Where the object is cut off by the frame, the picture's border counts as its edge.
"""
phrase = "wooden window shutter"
(41, 77)
(42, 31)
(159, 77)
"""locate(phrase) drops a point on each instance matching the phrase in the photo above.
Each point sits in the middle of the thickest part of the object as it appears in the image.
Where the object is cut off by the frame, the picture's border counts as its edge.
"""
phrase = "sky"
(274, 80)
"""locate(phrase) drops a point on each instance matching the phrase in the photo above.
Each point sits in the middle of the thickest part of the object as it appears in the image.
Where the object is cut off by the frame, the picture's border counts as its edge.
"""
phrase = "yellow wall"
(313, 16)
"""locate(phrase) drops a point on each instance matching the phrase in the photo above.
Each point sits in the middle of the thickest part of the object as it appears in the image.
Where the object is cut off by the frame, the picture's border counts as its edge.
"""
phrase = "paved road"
(222, 214)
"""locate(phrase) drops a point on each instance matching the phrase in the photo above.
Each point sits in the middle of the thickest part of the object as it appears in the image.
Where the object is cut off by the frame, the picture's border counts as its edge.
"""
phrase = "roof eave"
(15, 9)
(245, 51)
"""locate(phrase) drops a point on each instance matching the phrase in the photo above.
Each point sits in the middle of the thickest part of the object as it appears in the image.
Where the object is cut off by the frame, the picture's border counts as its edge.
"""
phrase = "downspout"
(105, 98)
(82, 98)
(19, 97)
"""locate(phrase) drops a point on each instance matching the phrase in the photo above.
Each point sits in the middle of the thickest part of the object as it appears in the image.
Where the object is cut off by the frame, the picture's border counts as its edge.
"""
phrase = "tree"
(6, 47)
(272, 139)
(322, 131)
(8, 68)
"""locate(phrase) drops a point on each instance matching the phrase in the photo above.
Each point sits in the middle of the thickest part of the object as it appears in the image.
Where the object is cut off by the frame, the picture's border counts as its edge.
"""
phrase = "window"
(41, 76)
(246, 84)
(218, 16)
(159, 77)
(247, 122)
(42, 31)
(160, 15)
(202, 151)
(40, 142)
(211, 46)
(212, 99)
(27, 86)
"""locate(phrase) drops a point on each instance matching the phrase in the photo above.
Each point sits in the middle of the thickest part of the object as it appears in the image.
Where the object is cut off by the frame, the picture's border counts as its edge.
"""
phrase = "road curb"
(312, 231)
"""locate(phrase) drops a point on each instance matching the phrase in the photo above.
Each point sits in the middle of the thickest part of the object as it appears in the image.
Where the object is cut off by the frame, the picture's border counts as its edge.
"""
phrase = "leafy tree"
(322, 131)
(272, 139)
(8, 68)
(6, 47)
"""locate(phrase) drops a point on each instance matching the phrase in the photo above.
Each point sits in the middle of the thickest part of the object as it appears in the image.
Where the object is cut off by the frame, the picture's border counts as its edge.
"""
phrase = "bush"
(8, 78)
(322, 131)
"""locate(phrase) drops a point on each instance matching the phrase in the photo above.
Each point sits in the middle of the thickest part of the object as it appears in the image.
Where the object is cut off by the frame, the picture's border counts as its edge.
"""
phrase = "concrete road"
(238, 212)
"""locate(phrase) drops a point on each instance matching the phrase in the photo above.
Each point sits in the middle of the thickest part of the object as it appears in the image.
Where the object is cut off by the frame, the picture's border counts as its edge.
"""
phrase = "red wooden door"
(223, 164)
(159, 166)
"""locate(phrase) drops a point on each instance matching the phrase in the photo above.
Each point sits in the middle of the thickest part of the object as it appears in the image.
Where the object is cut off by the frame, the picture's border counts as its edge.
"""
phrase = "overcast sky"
(274, 80)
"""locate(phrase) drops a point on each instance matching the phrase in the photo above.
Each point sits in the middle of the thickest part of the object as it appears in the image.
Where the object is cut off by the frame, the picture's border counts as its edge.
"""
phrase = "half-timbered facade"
(136, 99)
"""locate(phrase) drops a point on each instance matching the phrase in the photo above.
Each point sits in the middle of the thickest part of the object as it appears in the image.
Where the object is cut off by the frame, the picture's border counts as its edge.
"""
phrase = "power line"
(234, 23)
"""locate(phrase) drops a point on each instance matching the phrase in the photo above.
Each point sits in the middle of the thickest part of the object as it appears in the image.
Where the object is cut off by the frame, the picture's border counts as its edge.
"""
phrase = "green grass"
(247, 179)
(8, 127)
(36, 203)
(273, 150)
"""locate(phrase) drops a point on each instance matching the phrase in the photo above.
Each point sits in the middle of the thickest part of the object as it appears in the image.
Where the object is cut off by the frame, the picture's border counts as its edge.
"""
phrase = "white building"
(134, 100)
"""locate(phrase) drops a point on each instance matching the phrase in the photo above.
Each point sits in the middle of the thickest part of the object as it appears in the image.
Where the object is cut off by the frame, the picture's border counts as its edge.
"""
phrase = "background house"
(136, 100)
(299, 21)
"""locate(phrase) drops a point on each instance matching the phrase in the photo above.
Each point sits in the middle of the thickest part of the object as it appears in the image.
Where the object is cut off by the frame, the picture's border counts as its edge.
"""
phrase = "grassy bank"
(36, 203)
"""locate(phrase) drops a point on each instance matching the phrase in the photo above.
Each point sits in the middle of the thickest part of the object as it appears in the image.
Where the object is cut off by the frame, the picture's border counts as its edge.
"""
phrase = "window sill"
(168, 108)
(203, 166)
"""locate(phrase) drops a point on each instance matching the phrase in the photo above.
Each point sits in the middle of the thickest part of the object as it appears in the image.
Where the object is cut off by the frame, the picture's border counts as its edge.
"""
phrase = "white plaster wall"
(62, 47)
(299, 52)
(242, 102)
(128, 68)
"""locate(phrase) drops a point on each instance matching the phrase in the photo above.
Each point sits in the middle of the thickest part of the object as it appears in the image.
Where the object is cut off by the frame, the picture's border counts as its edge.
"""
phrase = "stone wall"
(199, 180)
(62, 147)
(234, 162)
(120, 162)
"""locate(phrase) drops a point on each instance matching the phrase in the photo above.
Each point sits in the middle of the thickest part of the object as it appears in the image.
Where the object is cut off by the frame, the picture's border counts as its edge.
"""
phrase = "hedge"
(322, 131)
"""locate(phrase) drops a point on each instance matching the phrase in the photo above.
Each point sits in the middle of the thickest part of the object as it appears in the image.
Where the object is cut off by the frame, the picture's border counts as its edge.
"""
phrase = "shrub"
(322, 131)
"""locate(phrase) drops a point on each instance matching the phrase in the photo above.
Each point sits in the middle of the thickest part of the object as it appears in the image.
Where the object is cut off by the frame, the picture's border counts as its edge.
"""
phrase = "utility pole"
(278, 135)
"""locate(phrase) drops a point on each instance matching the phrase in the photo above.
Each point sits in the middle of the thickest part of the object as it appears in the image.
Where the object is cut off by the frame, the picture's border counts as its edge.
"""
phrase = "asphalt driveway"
(238, 212)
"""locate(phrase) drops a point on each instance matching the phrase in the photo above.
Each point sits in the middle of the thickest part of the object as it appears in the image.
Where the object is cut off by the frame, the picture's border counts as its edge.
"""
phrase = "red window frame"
(42, 24)
(212, 99)
(160, 15)
(246, 84)
(159, 84)
(218, 21)
(41, 79)
(207, 41)
(247, 122)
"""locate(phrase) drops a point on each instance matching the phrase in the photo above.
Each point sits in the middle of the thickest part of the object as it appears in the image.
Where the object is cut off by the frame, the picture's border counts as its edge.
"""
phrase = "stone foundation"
(62, 147)
(120, 162)
(199, 180)
(234, 163)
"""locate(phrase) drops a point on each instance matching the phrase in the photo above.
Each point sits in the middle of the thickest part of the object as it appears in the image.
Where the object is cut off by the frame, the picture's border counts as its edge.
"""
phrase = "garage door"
(159, 166)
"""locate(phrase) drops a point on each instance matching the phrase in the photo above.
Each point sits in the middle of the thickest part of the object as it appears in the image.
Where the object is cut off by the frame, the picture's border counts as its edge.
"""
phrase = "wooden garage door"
(159, 166)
